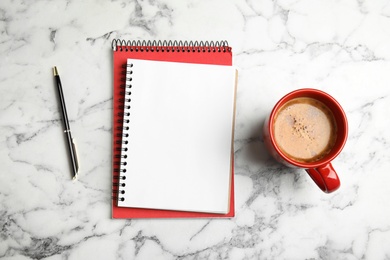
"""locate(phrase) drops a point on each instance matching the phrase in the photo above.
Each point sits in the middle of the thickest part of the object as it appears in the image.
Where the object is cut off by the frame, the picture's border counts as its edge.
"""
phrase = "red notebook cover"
(218, 53)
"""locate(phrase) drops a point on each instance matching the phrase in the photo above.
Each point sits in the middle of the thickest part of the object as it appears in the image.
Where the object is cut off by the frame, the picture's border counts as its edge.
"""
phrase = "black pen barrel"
(72, 152)
(62, 102)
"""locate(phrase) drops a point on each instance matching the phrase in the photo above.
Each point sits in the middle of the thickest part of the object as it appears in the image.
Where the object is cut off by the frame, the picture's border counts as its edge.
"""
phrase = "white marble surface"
(341, 47)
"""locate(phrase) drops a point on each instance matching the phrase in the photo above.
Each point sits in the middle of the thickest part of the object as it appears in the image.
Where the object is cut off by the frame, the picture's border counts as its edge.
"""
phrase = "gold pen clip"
(76, 159)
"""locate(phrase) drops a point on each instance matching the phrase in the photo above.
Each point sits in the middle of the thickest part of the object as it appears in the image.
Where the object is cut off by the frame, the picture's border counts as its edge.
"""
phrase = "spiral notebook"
(147, 182)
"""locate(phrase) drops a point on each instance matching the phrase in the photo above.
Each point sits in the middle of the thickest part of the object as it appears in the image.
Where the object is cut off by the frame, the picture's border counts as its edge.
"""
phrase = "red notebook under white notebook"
(145, 184)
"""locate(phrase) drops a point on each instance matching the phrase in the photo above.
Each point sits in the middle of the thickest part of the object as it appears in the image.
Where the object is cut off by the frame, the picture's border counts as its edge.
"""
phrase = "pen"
(69, 139)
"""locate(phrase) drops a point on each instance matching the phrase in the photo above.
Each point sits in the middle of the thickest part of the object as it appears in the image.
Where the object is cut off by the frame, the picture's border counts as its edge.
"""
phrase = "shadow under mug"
(321, 171)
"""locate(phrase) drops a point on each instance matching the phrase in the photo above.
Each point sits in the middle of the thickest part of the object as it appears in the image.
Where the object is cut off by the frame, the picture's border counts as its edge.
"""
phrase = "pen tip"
(55, 71)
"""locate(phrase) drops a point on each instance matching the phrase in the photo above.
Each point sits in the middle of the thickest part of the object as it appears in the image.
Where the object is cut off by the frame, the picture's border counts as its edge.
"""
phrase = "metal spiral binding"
(173, 46)
(125, 121)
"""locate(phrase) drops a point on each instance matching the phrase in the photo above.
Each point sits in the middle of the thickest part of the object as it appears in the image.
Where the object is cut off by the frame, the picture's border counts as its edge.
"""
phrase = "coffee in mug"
(305, 129)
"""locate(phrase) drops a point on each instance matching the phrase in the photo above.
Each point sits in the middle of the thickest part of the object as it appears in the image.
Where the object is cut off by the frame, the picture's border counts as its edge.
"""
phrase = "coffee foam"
(305, 129)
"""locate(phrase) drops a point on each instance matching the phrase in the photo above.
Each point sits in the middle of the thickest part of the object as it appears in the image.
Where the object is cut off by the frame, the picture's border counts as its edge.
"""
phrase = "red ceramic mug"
(320, 170)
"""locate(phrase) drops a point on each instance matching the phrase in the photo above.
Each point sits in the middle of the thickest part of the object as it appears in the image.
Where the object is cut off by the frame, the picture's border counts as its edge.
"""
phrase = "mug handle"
(325, 177)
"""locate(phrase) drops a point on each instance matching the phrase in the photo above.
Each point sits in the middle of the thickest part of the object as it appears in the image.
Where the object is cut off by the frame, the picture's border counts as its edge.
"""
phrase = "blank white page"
(180, 134)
